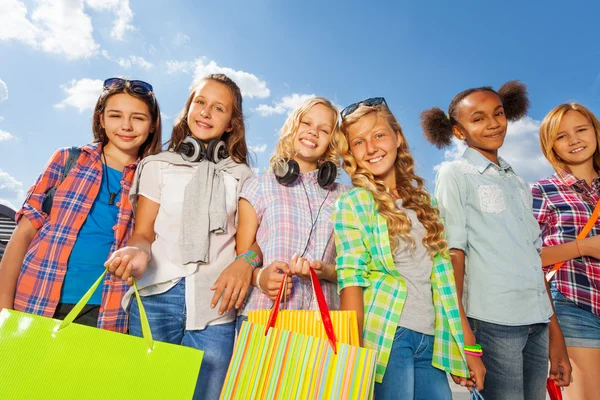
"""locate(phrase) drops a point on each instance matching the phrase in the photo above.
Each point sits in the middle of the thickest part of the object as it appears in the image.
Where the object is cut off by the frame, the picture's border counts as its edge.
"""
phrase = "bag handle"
(321, 303)
(475, 395)
(146, 333)
(582, 235)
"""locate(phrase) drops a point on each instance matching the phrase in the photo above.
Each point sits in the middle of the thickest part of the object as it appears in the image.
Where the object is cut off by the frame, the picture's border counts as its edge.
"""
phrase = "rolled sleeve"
(50, 177)
(450, 195)
(352, 254)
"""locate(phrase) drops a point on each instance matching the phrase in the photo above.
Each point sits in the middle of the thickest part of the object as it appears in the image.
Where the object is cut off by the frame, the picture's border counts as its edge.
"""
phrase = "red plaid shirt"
(562, 211)
(43, 270)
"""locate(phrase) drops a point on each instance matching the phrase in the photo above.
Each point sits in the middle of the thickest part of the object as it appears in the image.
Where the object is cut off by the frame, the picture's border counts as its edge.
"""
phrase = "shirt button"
(101, 310)
(118, 204)
(122, 182)
(115, 228)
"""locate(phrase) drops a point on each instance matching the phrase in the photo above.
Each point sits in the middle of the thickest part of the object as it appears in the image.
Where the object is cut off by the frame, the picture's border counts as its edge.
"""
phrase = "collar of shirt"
(482, 163)
(310, 177)
(572, 180)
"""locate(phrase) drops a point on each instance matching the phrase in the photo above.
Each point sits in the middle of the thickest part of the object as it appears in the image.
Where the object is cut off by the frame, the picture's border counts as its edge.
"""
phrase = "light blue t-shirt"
(93, 244)
(487, 212)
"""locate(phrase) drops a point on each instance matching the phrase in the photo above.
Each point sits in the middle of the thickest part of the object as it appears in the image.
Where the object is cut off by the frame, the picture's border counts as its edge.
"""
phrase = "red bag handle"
(321, 303)
(553, 390)
(582, 235)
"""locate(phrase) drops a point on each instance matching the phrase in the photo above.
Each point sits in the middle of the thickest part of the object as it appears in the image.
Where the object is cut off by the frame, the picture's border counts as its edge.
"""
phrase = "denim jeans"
(167, 314)
(409, 373)
(581, 328)
(516, 360)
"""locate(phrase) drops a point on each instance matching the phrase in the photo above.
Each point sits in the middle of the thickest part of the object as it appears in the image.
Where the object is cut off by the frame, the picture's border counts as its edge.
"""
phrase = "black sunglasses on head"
(139, 87)
(372, 101)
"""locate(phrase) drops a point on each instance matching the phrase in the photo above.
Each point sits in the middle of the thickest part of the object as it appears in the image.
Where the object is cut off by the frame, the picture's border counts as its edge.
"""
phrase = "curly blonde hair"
(410, 187)
(285, 146)
(549, 133)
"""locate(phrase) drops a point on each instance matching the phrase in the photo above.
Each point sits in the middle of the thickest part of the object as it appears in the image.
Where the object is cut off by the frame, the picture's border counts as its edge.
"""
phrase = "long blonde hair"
(410, 187)
(285, 146)
(549, 132)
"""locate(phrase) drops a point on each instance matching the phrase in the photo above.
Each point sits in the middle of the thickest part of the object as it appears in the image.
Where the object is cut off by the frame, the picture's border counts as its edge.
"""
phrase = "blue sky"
(54, 53)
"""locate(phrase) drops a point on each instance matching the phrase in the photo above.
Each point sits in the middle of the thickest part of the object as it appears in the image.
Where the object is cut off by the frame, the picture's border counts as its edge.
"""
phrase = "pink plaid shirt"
(284, 218)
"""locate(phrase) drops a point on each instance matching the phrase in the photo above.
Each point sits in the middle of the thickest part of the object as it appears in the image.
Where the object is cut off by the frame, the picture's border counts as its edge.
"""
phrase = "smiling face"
(209, 115)
(127, 123)
(481, 122)
(313, 136)
(576, 140)
(374, 145)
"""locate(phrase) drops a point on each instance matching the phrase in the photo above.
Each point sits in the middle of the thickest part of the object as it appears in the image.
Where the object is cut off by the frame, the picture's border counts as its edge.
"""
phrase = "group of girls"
(446, 283)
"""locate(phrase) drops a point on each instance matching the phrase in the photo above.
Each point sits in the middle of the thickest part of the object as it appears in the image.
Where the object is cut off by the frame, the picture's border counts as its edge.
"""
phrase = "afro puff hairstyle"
(437, 126)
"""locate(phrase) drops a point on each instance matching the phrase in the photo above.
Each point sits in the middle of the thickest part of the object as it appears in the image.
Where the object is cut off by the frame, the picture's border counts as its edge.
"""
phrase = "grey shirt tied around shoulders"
(204, 209)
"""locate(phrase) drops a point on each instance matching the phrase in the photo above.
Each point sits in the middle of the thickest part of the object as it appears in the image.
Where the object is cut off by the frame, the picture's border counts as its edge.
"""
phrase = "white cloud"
(126, 63)
(250, 85)
(286, 104)
(180, 66)
(4, 136)
(56, 26)
(81, 94)
(10, 188)
(261, 148)
(123, 14)
(181, 39)
(3, 91)
(521, 150)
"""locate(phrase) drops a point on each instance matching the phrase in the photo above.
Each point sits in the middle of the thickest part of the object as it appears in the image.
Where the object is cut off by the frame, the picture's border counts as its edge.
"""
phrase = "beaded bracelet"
(251, 258)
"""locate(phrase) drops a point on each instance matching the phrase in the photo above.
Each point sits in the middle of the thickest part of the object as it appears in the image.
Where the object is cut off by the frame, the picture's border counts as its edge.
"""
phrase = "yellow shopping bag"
(44, 358)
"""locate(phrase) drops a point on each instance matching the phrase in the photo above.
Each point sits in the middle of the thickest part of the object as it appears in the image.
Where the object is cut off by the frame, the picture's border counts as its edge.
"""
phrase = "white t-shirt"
(165, 184)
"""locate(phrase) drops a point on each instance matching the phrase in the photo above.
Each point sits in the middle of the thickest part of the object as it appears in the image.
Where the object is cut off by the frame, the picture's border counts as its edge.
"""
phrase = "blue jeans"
(167, 314)
(516, 360)
(581, 328)
(409, 373)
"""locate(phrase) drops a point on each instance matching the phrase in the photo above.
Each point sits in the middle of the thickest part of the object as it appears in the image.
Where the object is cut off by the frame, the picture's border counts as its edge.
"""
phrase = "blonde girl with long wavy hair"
(563, 204)
(287, 210)
(393, 264)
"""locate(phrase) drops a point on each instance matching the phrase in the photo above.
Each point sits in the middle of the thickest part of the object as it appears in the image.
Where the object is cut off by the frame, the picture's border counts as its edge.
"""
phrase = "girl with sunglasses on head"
(287, 210)
(393, 265)
(68, 225)
(494, 242)
(184, 244)
(564, 205)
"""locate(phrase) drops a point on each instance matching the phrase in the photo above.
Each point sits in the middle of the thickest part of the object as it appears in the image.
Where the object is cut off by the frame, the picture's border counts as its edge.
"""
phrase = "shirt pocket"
(491, 199)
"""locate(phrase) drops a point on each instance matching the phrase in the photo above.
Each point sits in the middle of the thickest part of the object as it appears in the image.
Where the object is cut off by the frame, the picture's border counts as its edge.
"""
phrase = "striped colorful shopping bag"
(271, 363)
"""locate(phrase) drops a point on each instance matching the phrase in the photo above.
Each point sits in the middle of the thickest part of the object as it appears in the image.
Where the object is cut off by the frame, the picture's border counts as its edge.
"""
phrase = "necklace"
(111, 196)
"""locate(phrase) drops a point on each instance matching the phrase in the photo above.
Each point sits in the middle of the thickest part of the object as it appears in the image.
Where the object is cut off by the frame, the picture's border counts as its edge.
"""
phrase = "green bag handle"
(146, 333)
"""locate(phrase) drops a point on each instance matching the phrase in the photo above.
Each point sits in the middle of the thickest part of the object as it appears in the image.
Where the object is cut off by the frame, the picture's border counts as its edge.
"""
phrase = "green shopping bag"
(44, 358)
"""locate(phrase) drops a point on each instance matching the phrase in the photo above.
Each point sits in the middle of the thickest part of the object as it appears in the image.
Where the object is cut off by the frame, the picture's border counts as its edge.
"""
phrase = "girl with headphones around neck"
(288, 210)
(185, 231)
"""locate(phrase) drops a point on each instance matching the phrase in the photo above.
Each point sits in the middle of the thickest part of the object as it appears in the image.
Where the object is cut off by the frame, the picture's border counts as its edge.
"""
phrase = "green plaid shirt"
(365, 260)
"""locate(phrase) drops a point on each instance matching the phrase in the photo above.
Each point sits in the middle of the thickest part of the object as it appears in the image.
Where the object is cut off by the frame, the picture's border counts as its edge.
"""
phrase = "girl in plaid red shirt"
(563, 204)
(57, 250)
